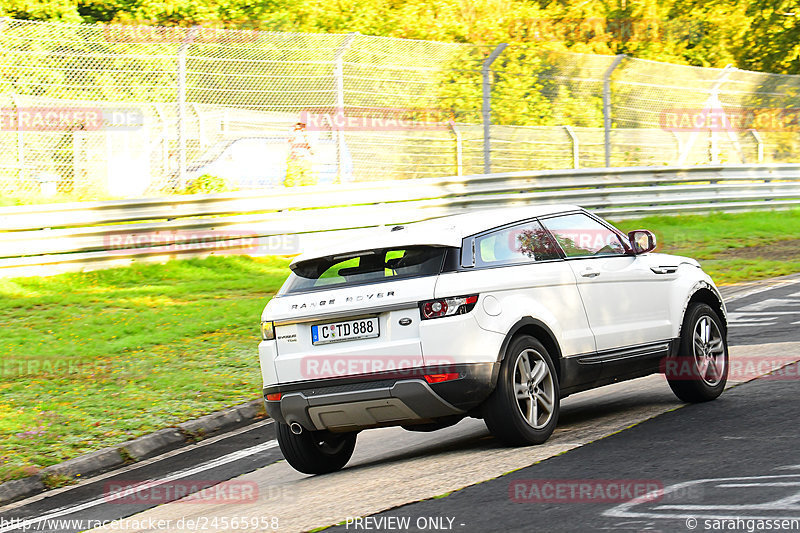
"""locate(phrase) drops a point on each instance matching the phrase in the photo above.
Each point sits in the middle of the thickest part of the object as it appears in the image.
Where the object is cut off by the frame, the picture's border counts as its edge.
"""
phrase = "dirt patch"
(777, 251)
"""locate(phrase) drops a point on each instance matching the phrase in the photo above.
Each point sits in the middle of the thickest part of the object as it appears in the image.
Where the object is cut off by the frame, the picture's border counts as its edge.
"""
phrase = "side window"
(580, 235)
(524, 243)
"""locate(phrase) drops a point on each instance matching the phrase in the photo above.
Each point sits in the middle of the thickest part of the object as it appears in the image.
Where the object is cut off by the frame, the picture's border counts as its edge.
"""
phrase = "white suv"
(496, 314)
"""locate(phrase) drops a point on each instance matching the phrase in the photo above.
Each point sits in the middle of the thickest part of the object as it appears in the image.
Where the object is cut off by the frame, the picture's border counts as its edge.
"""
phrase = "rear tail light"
(274, 397)
(438, 378)
(447, 306)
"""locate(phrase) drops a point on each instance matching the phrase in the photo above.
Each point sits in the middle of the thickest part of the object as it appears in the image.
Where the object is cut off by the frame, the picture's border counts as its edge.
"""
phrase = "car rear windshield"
(371, 266)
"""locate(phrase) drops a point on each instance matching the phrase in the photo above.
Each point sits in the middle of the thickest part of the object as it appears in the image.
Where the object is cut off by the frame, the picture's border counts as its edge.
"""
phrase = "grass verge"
(91, 360)
(731, 247)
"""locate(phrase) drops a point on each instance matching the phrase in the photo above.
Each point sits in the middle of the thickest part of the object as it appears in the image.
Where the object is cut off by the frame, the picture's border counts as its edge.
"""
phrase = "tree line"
(750, 34)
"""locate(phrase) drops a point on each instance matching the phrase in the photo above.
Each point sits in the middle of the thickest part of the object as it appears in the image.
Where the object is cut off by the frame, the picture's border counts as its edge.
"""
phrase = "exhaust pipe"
(295, 428)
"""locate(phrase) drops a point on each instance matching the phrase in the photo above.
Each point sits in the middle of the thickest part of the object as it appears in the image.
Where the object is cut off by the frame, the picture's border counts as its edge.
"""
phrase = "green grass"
(91, 360)
(731, 247)
(702, 236)
(735, 271)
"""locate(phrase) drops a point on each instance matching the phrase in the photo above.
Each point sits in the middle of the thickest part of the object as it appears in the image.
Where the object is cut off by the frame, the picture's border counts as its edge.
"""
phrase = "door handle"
(664, 269)
(590, 273)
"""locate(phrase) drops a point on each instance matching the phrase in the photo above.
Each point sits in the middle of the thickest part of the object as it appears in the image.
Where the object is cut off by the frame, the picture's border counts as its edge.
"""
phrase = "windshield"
(369, 266)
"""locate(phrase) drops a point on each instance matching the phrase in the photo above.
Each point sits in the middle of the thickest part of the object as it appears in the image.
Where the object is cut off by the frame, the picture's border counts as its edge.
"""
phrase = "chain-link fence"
(98, 111)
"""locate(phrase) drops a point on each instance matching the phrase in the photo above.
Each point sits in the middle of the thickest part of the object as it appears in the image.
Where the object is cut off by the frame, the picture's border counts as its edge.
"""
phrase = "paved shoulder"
(706, 467)
(772, 314)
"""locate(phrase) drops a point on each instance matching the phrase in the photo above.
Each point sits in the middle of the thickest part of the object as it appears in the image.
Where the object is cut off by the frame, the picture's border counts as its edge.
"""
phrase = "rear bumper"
(382, 399)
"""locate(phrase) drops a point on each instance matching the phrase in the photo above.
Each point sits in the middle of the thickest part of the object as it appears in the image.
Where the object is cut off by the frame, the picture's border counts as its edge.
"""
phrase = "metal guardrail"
(47, 239)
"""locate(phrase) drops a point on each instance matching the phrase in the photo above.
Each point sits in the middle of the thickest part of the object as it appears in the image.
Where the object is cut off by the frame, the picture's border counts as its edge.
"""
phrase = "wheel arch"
(538, 330)
(704, 294)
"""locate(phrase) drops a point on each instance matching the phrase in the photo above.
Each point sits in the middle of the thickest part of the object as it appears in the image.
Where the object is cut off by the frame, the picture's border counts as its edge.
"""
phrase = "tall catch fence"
(114, 111)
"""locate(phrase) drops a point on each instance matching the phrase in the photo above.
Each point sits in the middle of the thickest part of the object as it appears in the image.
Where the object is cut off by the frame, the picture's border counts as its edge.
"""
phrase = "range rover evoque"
(495, 314)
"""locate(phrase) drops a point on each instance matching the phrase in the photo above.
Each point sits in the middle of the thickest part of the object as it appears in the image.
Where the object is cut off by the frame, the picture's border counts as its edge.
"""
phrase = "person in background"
(299, 168)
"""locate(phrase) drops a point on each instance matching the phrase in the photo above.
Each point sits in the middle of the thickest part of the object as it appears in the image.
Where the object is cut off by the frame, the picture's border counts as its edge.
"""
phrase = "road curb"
(99, 461)
(132, 451)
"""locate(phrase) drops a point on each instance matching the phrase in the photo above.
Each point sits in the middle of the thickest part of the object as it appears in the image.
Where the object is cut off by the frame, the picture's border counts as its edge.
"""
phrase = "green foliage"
(758, 34)
(57, 10)
(206, 184)
(774, 36)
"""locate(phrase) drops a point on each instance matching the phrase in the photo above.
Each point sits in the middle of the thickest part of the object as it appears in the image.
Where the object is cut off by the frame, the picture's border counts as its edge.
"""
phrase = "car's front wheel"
(700, 371)
(523, 409)
(315, 452)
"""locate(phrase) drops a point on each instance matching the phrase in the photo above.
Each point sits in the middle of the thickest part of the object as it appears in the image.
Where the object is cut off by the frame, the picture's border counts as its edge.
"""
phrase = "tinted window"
(526, 242)
(370, 266)
(580, 235)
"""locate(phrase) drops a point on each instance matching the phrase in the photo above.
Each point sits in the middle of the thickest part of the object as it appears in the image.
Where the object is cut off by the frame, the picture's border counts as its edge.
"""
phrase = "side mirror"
(642, 241)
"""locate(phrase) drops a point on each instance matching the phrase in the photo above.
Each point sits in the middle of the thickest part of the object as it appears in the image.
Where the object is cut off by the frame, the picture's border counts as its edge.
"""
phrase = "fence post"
(576, 163)
(759, 145)
(162, 117)
(711, 101)
(338, 71)
(182, 116)
(678, 147)
(201, 130)
(713, 148)
(459, 149)
(338, 74)
(20, 141)
(181, 97)
(486, 106)
(607, 105)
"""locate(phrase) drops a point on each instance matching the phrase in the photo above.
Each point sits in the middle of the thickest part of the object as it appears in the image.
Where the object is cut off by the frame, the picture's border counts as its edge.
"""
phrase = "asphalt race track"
(766, 317)
(731, 459)
(696, 467)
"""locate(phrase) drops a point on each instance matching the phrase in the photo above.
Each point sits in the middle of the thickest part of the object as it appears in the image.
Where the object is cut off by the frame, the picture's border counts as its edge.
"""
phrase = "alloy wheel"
(709, 350)
(534, 388)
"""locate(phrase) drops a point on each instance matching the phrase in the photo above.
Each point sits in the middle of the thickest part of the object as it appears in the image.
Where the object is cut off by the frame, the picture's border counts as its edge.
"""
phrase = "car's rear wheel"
(524, 407)
(316, 452)
(700, 371)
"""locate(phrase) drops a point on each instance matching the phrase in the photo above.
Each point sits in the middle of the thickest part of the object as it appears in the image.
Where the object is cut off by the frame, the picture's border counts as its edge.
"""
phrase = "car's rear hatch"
(352, 314)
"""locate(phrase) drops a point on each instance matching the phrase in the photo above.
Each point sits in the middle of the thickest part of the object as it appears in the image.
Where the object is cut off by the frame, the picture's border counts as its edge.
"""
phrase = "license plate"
(363, 328)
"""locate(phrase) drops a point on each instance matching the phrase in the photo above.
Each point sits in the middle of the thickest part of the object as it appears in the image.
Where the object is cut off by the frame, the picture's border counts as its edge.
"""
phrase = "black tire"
(505, 413)
(700, 371)
(316, 452)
